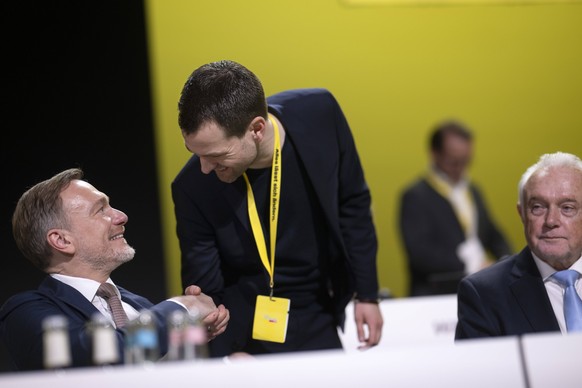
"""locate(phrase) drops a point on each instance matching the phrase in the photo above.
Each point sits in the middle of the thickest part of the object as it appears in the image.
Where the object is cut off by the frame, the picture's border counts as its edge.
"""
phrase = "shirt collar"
(547, 270)
(441, 176)
(87, 287)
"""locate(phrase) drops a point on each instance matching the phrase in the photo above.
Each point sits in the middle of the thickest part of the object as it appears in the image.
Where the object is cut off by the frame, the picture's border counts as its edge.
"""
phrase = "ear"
(258, 128)
(520, 212)
(60, 240)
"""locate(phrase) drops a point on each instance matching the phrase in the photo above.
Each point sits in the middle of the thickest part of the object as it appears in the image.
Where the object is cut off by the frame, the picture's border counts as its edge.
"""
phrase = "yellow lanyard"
(445, 190)
(273, 206)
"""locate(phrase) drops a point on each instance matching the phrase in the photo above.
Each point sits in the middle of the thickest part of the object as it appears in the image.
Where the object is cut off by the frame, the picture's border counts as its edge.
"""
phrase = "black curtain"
(75, 93)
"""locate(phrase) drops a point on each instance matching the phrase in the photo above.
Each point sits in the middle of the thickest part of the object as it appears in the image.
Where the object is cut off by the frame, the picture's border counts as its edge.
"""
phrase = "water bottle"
(56, 345)
(145, 339)
(104, 341)
(195, 337)
(176, 322)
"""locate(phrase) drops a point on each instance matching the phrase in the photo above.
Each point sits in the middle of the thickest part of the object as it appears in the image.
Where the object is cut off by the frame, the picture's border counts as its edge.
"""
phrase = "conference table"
(417, 350)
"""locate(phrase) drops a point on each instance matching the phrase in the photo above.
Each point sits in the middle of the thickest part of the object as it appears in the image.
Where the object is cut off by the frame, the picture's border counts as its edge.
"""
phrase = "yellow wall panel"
(511, 72)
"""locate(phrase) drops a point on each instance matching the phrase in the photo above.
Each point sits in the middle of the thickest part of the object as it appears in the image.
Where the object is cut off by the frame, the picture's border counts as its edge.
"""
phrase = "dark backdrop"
(75, 93)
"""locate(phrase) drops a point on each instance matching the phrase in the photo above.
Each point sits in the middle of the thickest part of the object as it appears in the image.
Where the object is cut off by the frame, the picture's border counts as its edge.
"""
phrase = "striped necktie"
(108, 292)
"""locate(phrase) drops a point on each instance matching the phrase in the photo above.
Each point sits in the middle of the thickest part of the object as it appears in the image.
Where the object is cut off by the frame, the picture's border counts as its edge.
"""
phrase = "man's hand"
(192, 290)
(368, 314)
(217, 320)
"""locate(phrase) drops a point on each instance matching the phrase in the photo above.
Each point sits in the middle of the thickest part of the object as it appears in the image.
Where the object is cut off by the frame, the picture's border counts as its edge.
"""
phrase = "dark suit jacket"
(22, 315)
(431, 234)
(508, 298)
(217, 245)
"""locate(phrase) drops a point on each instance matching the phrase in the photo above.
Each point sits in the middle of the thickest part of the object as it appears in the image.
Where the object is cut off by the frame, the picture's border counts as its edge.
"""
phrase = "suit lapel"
(235, 194)
(530, 293)
(310, 153)
(135, 301)
(446, 212)
(66, 294)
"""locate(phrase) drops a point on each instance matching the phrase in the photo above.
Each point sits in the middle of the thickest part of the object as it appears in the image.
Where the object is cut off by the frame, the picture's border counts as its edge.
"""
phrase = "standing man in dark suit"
(68, 229)
(273, 213)
(444, 223)
(522, 294)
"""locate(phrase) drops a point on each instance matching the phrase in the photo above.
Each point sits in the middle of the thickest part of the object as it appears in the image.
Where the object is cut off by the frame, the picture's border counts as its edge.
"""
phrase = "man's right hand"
(214, 318)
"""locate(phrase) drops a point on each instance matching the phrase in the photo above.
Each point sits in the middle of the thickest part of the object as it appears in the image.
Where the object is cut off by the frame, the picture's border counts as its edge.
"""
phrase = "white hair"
(546, 161)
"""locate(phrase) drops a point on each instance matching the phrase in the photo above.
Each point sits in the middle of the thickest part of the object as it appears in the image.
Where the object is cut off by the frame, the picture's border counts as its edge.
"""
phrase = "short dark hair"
(38, 210)
(224, 92)
(441, 130)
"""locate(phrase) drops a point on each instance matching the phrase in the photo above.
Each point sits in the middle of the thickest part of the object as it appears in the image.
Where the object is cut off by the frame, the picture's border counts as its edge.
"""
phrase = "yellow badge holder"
(271, 314)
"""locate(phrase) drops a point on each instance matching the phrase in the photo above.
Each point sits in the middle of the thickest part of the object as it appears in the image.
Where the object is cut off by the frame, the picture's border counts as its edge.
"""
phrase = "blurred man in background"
(445, 226)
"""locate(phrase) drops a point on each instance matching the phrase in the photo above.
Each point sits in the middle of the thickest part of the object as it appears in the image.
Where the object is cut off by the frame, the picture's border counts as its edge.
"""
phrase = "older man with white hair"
(528, 292)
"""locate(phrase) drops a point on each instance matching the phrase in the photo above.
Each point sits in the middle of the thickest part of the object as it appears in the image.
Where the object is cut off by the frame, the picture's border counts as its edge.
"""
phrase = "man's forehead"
(556, 179)
(555, 173)
(78, 193)
(208, 140)
(78, 185)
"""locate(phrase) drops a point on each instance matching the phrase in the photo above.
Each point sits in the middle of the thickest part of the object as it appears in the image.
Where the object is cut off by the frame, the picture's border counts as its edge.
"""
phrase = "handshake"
(214, 318)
